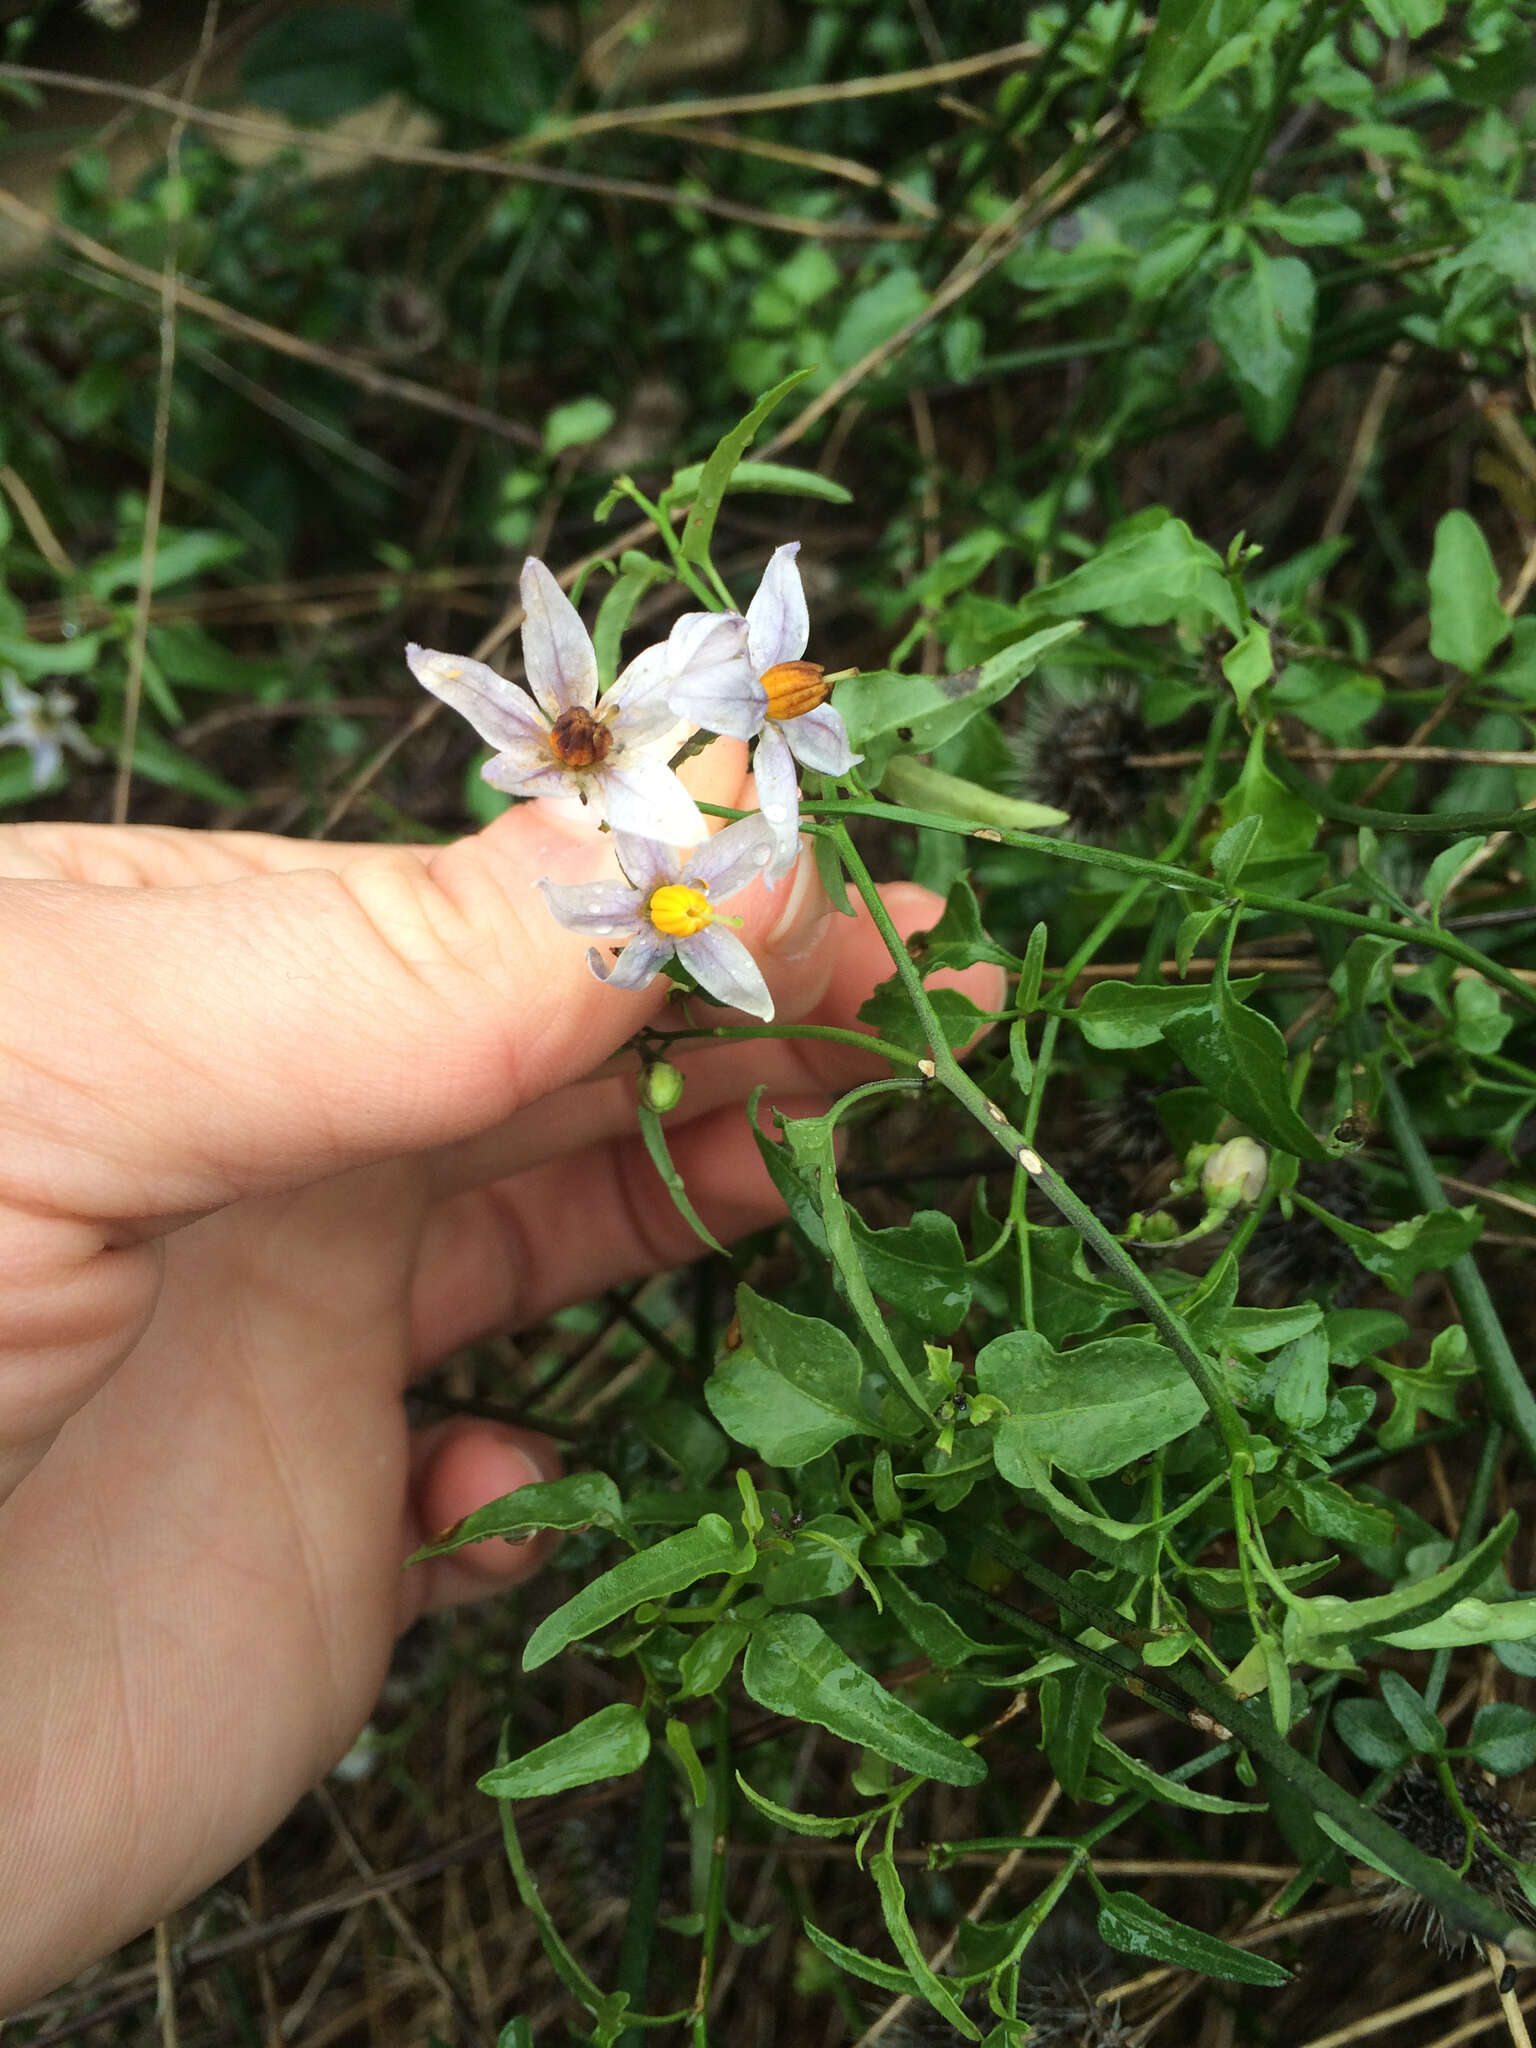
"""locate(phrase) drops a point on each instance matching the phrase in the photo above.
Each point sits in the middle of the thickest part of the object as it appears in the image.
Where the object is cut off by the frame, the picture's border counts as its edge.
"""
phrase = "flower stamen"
(678, 910)
(795, 687)
(579, 740)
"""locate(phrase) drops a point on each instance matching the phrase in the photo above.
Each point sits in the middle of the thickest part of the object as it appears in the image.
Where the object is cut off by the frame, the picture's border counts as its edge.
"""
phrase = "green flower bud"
(661, 1086)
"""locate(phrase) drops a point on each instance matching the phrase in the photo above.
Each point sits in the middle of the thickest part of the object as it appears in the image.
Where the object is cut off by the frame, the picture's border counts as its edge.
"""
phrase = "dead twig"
(377, 383)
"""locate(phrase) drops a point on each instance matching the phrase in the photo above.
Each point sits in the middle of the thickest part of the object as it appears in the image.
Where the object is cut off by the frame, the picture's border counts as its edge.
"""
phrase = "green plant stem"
(1186, 882)
(830, 1034)
(1444, 824)
(952, 1076)
(714, 1898)
(1473, 1515)
(645, 1886)
(1234, 190)
(1504, 1384)
(1457, 1904)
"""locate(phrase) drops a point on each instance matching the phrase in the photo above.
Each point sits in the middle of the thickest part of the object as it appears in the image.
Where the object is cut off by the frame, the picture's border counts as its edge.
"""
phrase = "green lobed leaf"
(889, 1014)
(1466, 620)
(1397, 1255)
(1287, 823)
(932, 1628)
(1503, 1738)
(715, 477)
(1089, 1411)
(1421, 1728)
(793, 1667)
(1261, 320)
(706, 1663)
(1069, 1300)
(1333, 1512)
(1129, 1923)
(1140, 1777)
(893, 1908)
(885, 1976)
(581, 1500)
(1301, 1394)
(666, 1568)
(1071, 1714)
(1481, 1025)
(883, 710)
(681, 1743)
(792, 1389)
(1311, 220)
(1241, 1057)
(1468, 1622)
(180, 554)
(824, 1826)
(1148, 571)
(1372, 1733)
(782, 478)
(1316, 1628)
(608, 1744)
(959, 939)
(919, 1268)
(1249, 663)
(821, 1561)
(577, 424)
(1117, 1016)
(1186, 36)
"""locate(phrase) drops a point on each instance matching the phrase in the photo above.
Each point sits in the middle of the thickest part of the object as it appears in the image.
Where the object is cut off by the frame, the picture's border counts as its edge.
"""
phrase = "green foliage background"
(1163, 455)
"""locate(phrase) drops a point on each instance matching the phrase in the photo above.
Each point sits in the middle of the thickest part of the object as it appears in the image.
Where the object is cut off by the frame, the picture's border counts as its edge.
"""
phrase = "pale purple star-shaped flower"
(564, 741)
(770, 693)
(42, 722)
(666, 906)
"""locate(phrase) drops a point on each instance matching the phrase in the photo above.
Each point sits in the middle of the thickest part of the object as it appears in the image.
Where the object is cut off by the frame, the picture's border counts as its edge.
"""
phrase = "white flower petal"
(778, 798)
(498, 710)
(819, 738)
(726, 700)
(732, 859)
(720, 963)
(601, 909)
(636, 710)
(778, 624)
(524, 773)
(647, 862)
(47, 759)
(707, 640)
(644, 797)
(557, 650)
(638, 962)
(74, 736)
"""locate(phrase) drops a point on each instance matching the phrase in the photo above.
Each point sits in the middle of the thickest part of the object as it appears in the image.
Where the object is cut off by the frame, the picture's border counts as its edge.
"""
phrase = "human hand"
(284, 1124)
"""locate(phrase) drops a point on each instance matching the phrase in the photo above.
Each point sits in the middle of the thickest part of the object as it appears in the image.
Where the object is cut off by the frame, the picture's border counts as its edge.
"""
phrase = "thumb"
(165, 1051)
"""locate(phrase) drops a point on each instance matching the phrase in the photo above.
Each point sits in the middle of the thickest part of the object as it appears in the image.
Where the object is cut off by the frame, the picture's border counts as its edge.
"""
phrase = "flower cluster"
(719, 672)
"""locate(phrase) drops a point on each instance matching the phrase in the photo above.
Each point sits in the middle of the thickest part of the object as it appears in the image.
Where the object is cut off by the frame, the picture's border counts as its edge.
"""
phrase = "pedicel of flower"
(565, 742)
(666, 908)
(769, 692)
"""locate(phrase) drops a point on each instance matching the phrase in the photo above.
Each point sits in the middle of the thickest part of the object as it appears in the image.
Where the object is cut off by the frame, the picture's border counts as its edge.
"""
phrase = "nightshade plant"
(905, 1443)
(1043, 1418)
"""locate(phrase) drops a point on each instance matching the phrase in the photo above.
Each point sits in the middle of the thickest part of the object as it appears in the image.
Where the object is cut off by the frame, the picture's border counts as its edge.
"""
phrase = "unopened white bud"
(1235, 1173)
